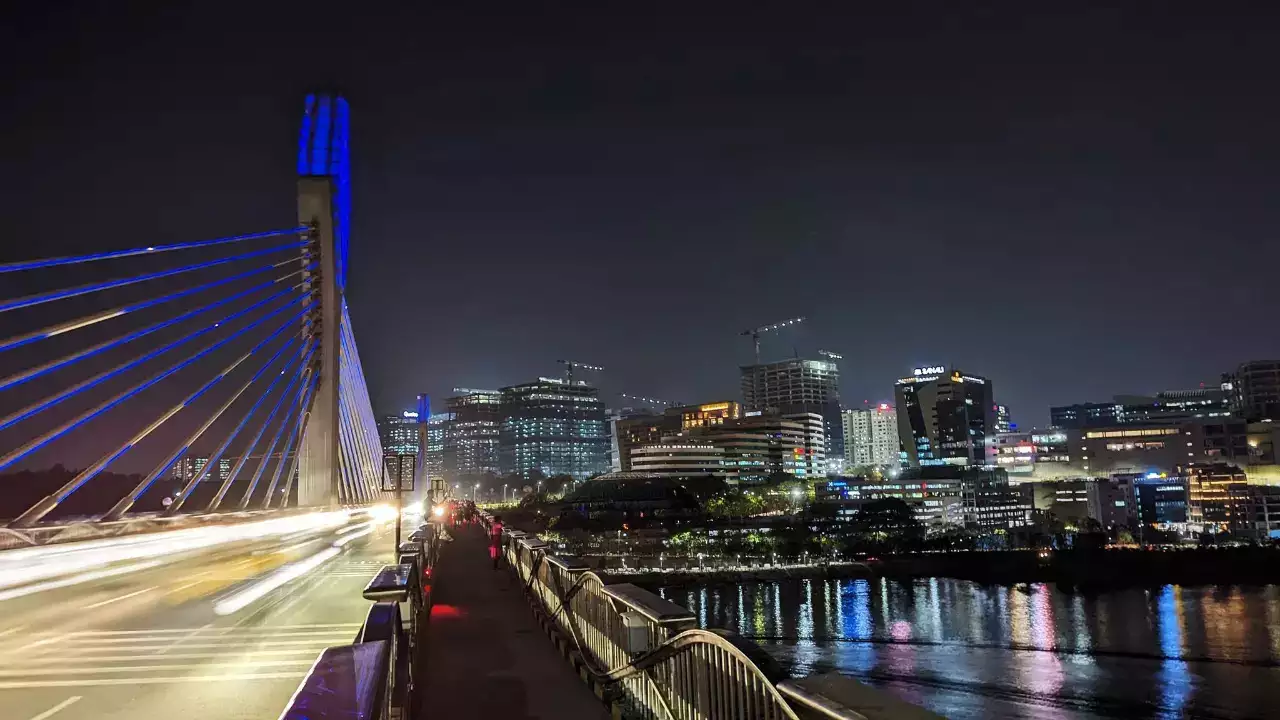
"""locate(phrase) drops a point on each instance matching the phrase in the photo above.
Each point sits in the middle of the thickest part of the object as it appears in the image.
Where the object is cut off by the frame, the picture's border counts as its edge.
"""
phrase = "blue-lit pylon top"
(323, 150)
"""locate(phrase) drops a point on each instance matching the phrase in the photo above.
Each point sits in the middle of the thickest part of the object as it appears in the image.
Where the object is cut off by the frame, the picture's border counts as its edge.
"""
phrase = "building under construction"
(796, 386)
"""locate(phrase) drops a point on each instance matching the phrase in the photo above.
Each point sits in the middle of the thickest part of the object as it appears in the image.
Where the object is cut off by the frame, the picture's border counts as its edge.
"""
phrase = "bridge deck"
(486, 656)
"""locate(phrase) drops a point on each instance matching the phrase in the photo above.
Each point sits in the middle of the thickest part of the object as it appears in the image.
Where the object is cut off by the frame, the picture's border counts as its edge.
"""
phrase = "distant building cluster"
(1196, 461)
(189, 467)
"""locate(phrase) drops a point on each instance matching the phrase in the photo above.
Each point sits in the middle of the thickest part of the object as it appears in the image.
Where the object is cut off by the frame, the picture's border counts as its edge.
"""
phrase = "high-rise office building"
(471, 436)
(433, 452)
(553, 427)
(945, 417)
(399, 433)
(1256, 389)
(871, 438)
(788, 387)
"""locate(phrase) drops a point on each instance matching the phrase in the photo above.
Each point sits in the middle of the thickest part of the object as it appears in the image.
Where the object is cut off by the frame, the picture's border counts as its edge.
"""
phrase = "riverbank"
(1102, 568)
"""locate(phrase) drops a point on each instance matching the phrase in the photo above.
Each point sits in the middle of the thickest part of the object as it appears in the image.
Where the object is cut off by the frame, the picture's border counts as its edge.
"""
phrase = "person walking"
(495, 541)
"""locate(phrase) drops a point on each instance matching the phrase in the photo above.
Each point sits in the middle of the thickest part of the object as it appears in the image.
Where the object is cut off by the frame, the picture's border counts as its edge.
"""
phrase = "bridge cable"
(302, 359)
(46, 505)
(92, 257)
(299, 430)
(48, 402)
(95, 318)
(32, 373)
(128, 500)
(36, 443)
(216, 457)
(41, 298)
(301, 381)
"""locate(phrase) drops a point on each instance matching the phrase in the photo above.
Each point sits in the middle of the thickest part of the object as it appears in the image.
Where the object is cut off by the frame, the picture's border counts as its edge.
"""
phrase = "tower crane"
(755, 333)
(650, 401)
(569, 365)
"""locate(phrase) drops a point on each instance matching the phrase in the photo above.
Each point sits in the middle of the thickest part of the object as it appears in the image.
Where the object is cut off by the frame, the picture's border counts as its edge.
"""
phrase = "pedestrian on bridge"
(495, 541)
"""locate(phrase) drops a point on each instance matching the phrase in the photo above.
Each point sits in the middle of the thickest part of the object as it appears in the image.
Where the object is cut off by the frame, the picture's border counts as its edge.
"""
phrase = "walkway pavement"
(486, 656)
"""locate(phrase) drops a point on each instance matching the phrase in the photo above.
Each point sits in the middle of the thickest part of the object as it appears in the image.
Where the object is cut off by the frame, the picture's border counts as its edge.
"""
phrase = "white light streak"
(286, 574)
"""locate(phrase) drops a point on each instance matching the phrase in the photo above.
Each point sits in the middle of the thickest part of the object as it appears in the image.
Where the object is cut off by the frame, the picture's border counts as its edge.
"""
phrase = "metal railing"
(650, 649)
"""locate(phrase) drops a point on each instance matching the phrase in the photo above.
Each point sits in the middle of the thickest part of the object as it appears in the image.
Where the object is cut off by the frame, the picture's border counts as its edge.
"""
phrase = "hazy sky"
(1073, 203)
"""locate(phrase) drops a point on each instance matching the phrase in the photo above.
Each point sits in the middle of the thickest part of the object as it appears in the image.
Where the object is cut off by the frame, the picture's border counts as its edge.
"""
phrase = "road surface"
(156, 643)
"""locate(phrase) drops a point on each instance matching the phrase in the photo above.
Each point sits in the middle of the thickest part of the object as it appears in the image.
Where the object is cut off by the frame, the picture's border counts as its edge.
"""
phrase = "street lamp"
(504, 492)
(473, 492)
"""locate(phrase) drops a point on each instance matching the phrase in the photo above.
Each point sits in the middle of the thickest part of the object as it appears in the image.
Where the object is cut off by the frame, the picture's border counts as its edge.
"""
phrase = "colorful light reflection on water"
(973, 651)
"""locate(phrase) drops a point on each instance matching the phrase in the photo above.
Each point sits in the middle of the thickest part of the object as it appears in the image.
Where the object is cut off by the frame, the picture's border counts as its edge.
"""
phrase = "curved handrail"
(682, 643)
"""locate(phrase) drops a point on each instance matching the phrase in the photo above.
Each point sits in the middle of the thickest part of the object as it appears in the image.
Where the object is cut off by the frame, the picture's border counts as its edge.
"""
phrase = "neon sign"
(931, 370)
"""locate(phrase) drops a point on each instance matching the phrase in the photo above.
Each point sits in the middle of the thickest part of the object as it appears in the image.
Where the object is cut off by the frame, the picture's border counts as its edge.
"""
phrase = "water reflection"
(973, 651)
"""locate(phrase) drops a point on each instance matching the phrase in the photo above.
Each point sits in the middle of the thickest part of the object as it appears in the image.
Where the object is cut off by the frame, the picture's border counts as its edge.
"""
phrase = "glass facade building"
(399, 433)
(553, 427)
(945, 418)
(471, 434)
(433, 453)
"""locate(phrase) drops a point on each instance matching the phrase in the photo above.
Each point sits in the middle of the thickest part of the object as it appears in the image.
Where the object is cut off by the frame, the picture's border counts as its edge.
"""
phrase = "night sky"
(1073, 202)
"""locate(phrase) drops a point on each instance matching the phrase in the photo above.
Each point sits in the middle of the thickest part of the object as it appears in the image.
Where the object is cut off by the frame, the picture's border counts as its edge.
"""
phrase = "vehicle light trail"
(258, 590)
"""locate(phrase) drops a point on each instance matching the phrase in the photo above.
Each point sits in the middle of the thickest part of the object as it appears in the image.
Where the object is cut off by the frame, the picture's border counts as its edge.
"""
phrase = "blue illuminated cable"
(128, 500)
(108, 284)
(299, 430)
(32, 373)
(304, 372)
(370, 479)
(77, 259)
(39, 442)
(46, 403)
(304, 377)
(216, 457)
(53, 500)
(304, 356)
(95, 318)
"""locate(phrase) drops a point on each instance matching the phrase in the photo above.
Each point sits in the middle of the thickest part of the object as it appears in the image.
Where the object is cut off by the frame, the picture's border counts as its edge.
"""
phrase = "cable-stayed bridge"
(198, 377)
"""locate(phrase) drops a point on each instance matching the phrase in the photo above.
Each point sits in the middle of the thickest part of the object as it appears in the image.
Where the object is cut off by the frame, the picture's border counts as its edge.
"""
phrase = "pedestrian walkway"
(486, 655)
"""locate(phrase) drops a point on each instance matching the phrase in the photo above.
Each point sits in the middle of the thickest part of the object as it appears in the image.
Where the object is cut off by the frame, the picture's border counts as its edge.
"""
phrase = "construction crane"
(755, 333)
(650, 401)
(569, 365)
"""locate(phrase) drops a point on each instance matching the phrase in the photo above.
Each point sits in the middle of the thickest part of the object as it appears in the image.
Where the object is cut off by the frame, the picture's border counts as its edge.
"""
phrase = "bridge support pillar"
(318, 459)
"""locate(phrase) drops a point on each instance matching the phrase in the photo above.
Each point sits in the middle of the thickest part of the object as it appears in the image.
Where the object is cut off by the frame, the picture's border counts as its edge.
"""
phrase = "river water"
(967, 650)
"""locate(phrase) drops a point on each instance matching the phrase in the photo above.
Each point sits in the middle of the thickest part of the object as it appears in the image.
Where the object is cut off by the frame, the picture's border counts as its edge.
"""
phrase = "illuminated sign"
(714, 407)
(930, 370)
(753, 413)
(884, 406)
(409, 414)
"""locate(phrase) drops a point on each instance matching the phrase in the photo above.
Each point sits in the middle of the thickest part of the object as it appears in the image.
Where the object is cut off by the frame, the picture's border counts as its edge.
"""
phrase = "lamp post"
(473, 492)
(504, 492)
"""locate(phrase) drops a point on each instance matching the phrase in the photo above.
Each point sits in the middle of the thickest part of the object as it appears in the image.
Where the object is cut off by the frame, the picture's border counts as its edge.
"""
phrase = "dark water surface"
(967, 650)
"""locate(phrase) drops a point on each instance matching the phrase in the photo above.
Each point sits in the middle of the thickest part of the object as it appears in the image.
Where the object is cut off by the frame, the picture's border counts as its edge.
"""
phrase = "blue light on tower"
(324, 150)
